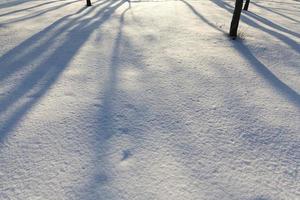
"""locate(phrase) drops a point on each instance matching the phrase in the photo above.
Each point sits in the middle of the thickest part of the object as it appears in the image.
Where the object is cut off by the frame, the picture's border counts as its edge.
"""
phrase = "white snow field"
(149, 101)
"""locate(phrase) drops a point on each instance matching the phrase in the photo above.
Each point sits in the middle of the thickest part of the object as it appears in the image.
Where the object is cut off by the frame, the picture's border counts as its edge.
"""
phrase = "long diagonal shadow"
(202, 17)
(290, 42)
(17, 58)
(273, 11)
(39, 13)
(268, 75)
(259, 67)
(45, 74)
(105, 114)
(12, 3)
(105, 121)
(271, 24)
(31, 7)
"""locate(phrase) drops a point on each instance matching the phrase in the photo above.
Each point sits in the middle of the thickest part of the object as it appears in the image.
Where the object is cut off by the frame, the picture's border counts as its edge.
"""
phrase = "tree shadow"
(259, 67)
(248, 131)
(107, 122)
(65, 37)
(19, 57)
(107, 117)
(290, 42)
(271, 24)
(267, 74)
(13, 3)
(279, 86)
(28, 8)
(201, 17)
(273, 11)
(35, 14)
(268, 141)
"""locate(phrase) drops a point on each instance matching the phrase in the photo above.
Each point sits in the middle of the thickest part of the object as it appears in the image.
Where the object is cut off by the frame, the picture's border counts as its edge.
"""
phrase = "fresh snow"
(149, 100)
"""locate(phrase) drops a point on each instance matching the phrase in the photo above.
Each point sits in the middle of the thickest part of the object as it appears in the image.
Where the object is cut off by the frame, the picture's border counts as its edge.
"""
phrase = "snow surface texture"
(149, 101)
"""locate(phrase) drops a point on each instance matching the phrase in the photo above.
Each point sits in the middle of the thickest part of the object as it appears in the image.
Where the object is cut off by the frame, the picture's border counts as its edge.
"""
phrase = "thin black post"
(236, 18)
(247, 5)
(88, 3)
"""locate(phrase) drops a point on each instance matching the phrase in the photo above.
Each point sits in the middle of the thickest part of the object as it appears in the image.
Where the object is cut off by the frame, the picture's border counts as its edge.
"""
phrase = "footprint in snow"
(124, 130)
(101, 178)
(126, 154)
(130, 106)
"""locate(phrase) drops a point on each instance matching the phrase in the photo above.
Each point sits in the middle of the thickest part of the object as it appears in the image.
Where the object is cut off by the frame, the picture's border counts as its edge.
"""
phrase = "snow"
(149, 100)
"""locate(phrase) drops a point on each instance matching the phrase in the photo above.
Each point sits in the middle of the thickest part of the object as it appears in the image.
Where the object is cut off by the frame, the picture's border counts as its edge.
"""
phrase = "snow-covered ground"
(149, 101)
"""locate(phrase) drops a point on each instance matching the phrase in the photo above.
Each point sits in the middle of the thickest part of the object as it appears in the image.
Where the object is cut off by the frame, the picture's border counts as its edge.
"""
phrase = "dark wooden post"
(246, 5)
(236, 18)
(88, 3)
